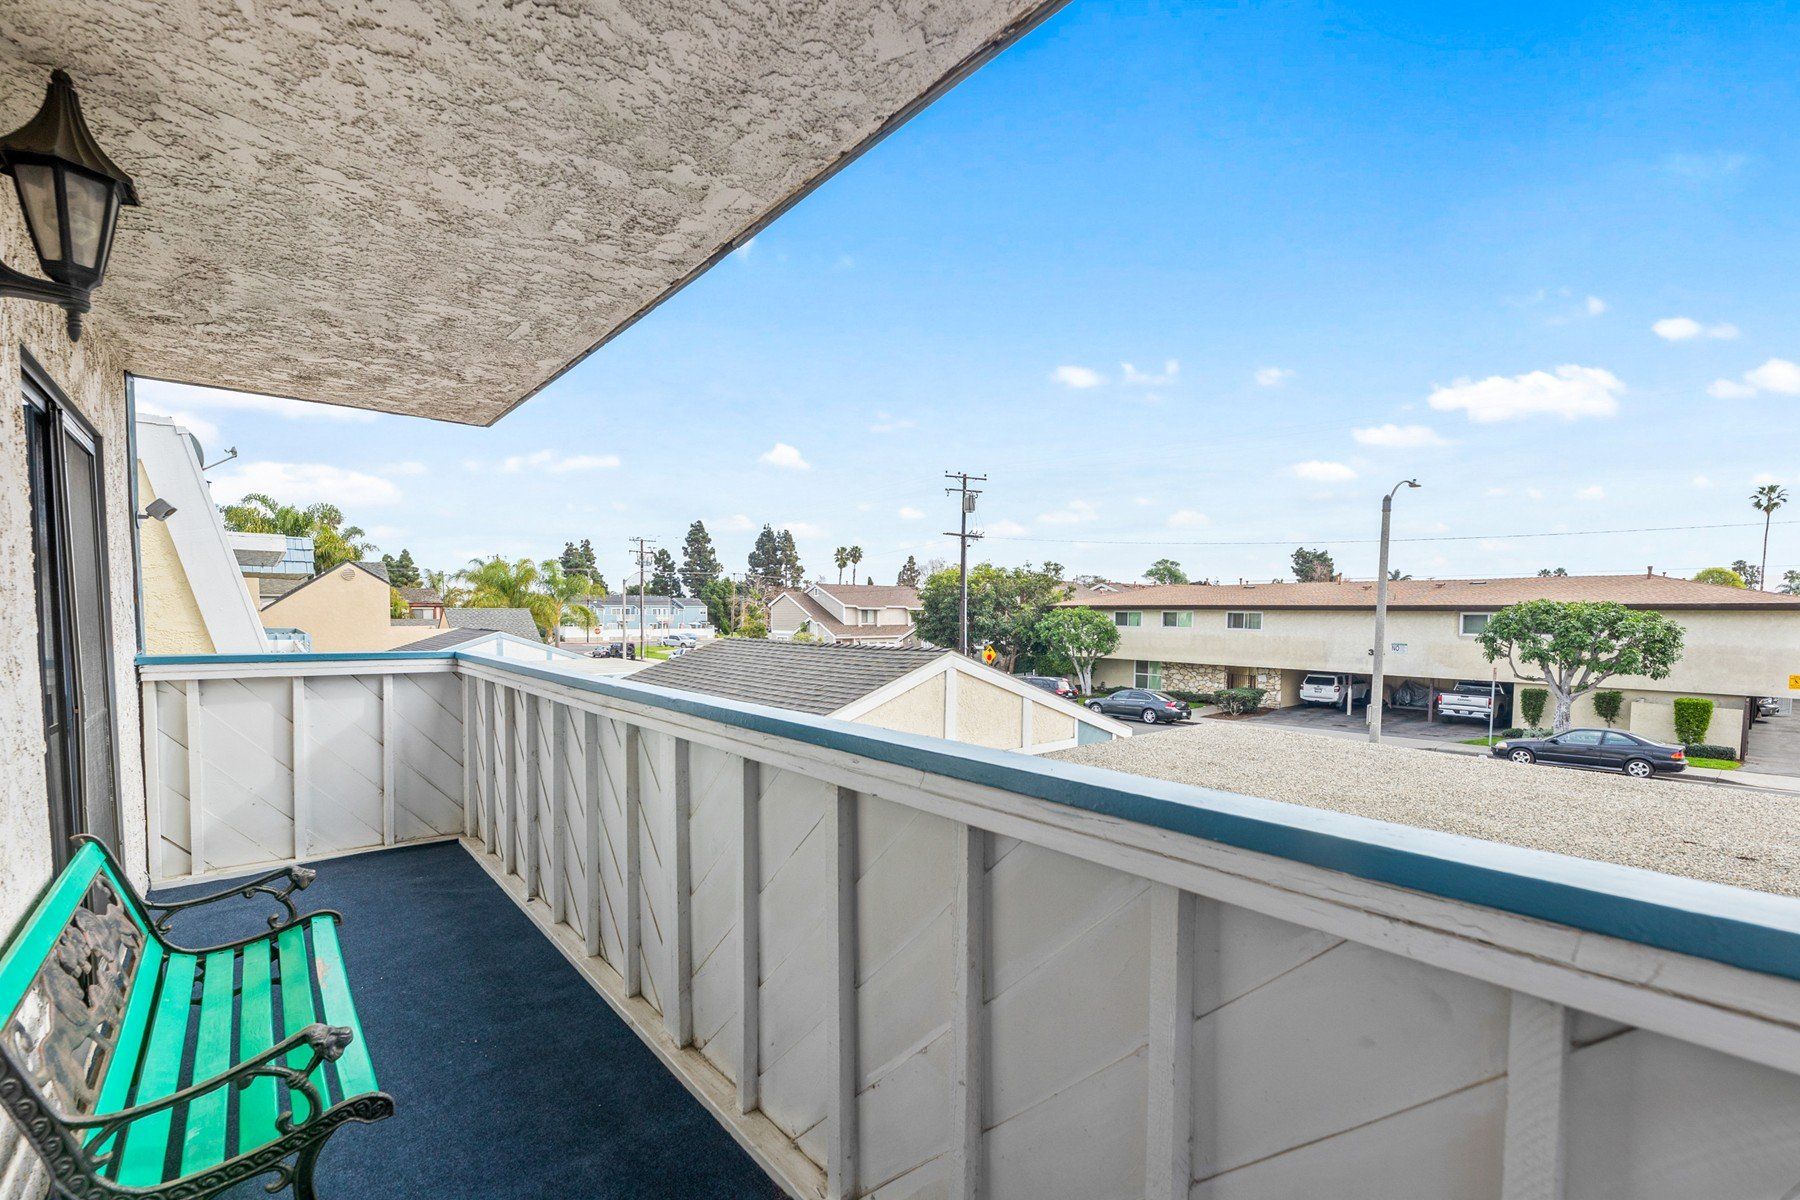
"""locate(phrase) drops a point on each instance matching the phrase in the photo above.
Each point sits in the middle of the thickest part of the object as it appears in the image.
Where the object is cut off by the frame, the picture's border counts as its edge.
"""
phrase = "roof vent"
(1476, 583)
(1650, 570)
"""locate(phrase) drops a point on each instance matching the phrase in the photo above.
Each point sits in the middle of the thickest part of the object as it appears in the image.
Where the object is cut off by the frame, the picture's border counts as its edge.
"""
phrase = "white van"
(1318, 688)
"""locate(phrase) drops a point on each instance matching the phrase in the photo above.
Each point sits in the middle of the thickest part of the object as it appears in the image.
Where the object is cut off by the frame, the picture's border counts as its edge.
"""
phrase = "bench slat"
(356, 1072)
(147, 1140)
(115, 1090)
(257, 1104)
(203, 1144)
(297, 1004)
(31, 945)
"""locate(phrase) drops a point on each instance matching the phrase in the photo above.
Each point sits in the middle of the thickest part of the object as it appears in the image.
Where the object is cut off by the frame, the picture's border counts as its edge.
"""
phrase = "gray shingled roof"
(516, 621)
(447, 639)
(796, 675)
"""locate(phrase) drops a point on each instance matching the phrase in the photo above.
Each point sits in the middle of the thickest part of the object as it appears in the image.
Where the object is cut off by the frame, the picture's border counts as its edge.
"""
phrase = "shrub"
(1693, 715)
(1197, 699)
(1240, 700)
(1607, 705)
(1707, 750)
(1531, 704)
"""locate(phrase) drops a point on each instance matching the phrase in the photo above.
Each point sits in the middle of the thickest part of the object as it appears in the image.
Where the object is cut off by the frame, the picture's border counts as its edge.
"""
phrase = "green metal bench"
(140, 1068)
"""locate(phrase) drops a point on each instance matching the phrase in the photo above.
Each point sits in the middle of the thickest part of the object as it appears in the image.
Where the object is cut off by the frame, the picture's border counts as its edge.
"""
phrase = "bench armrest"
(280, 884)
(327, 1042)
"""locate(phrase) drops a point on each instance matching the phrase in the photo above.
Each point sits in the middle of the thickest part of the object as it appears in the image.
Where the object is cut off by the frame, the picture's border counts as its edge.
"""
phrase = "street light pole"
(1376, 684)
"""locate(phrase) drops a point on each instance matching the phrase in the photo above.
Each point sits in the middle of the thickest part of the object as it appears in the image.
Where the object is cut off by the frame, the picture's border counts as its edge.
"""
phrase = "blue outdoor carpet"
(511, 1078)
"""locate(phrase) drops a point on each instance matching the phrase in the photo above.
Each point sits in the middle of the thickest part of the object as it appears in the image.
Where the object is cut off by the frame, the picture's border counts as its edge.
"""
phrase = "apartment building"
(1202, 637)
(857, 613)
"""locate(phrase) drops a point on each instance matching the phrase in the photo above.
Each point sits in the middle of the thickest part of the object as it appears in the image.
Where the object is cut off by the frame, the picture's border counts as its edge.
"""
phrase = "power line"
(1457, 537)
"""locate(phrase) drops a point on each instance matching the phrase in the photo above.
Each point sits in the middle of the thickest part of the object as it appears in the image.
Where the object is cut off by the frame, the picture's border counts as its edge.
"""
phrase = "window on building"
(1128, 620)
(867, 615)
(1146, 674)
(1474, 623)
(1243, 620)
(1178, 620)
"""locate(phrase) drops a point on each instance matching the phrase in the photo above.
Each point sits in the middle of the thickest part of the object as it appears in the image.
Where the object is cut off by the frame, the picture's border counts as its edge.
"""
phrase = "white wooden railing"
(895, 967)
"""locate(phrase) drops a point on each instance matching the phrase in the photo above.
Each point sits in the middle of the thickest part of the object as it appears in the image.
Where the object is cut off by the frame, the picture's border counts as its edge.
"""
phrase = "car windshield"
(1163, 696)
(1475, 689)
(1321, 681)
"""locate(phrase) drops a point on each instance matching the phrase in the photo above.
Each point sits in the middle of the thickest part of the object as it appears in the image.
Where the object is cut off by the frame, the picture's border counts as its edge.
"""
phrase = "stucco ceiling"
(435, 206)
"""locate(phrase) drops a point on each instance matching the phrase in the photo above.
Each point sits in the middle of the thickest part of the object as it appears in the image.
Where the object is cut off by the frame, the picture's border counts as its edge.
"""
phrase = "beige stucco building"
(1740, 644)
(851, 613)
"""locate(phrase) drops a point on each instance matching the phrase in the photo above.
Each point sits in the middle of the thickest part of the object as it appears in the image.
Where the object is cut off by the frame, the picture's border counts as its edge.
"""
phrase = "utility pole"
(1376, 684)
(966, 505)
(643, 550)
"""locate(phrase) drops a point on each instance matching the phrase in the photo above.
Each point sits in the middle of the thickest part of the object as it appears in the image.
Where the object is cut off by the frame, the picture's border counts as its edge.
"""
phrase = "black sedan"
(1638, 757)
(1141, 704)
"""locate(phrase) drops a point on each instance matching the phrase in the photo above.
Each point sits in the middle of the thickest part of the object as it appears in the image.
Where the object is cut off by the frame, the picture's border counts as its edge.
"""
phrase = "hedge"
(1531, 705)
(1693, 716)
(1240, 700)
(1607, 705)
(1707, 750)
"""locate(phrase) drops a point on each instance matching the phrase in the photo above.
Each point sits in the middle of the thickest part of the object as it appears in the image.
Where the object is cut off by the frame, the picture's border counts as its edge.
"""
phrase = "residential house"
(1740, 643)
(348, 608)
(272, 564)
(937, 693)
(617, 614)
(852, 613)
(423, 603)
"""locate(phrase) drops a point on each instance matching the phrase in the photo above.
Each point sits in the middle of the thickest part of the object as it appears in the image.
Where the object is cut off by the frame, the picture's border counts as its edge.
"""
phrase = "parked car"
(1768, 706)
(1475, 701)
(1319, 688)
(610, 650)
(1611, 749)
(1052, 683)
(1141, 704)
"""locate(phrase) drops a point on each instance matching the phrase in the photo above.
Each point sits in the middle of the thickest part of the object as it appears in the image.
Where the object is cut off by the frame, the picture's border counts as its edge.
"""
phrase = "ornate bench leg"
(304, 1163)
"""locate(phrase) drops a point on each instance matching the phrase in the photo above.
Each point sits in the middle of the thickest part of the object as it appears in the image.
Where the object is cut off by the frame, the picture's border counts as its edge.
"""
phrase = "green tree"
(1313, 566)
(1575, 646)
(1553, 573)
(1005, 606)
(402, 571)
(755, 623)
(1766, 499)
(334, 543)
(1607, 705)
(765, 559)
(581, 560)
(699, 564)
(841, 556)
(551, 595)
(665, 580)
(1749, 572)
(788, 556)
(909, 573)
(1723, 576)
(397, 606)
(1165, 570)
(1790, 583)
(445, 585)
(1080, 635)
(720, 597)
(855, 555)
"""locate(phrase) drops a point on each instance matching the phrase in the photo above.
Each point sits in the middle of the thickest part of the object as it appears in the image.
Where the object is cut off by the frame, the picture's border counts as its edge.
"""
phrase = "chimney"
(1650, 570)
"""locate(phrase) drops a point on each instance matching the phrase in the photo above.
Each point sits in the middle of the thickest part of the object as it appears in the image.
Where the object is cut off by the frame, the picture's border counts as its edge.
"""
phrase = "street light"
(1376, 685)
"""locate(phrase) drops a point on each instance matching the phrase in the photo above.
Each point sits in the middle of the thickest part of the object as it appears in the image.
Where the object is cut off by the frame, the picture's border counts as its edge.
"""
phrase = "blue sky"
(1179, 274)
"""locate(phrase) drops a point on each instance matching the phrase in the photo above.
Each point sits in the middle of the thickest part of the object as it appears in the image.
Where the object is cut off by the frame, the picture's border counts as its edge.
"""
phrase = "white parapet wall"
(895, 967)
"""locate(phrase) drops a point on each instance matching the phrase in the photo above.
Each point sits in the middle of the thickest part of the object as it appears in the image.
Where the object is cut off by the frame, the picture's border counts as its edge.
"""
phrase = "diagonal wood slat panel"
(428, 756)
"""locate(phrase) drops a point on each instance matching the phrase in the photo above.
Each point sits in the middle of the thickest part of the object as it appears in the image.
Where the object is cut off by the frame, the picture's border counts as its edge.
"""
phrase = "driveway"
(1774, 747)
(1316, 718)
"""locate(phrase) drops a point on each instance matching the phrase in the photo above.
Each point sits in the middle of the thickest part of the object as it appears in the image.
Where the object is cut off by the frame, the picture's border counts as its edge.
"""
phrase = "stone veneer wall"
(1205, 677)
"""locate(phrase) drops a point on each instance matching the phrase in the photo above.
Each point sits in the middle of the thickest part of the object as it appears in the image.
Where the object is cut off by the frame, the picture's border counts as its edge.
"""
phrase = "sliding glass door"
(73, 602)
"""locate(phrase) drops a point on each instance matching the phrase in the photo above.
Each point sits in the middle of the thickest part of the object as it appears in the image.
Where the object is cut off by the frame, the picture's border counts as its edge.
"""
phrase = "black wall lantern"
(70, 193)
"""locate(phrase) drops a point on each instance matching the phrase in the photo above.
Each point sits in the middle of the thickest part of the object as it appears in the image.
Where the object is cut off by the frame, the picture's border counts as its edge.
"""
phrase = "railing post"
(590, 791)
(840, 1035)
(388, 726)
(302, 783)
(496, 766)
(632, 968)
(559, 818)
(533, 770)
(1537, 1052)
(515, 773)
(152, 725)
(1169, 1167)
(750, 941)
(196, 768)
(469, 687)
(969, 950)
(678, 1014)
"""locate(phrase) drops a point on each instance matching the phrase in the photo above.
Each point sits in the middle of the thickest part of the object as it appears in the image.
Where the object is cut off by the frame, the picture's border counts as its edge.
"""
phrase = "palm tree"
(452, 595)
(550, 594)
(561, 596)
(854, 555)
(333, 541)
(841, 556)
(1766, 499)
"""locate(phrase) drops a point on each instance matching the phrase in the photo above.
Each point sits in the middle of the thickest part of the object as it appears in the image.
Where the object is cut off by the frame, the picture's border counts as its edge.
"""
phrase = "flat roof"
(1634, 591)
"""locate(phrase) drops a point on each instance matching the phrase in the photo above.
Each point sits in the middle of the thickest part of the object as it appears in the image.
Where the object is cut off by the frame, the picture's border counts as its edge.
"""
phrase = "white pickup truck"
(1474, 701)
(1318, 688)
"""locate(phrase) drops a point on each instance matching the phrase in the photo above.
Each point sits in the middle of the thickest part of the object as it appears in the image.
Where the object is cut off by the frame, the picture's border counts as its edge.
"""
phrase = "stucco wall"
(918, 710)
(348, 610)
(1050, 725)
(172, 620)
(987, 715)
(93, 381)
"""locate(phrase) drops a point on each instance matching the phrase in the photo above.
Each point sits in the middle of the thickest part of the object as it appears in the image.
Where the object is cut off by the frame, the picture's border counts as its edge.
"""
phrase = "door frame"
(43, 399)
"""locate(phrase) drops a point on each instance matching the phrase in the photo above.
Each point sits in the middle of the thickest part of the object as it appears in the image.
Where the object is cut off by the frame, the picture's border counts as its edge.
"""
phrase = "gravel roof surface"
(1749, 838)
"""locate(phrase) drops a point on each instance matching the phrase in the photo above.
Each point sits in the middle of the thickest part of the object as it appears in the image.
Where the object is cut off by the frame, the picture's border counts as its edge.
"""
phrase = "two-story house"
(618, 612)
(859, 614)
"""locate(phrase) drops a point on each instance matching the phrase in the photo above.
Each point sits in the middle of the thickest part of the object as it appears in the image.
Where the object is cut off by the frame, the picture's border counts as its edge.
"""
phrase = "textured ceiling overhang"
(436, 206)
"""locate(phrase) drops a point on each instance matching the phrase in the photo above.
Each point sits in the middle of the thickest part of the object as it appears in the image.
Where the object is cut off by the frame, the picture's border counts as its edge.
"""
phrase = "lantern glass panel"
(89, 199)
(37, 196)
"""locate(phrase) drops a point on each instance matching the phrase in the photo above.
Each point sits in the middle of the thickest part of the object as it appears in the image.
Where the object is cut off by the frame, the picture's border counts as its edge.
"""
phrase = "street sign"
(1794, 683)
(989, 654)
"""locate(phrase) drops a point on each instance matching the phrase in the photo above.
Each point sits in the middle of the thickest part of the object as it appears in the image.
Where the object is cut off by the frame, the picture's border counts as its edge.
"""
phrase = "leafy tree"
(841, 556)
(444, 584)
(665, 580)
(1313, 566)
(1723, 576)
(788, 555)
(909, 573)
(765, 559)
(1766, 499)
(720, 596)
(402, 571)
(1080, 635)
(755, 623)
(334, 543)
(699, 564)
(1607, 705)
(550, 594)
(1165, 570)
(1553, 573)
(1575, 646)
(1750, 573)
(1005, 606)
(1790, 583)
(581, 560)
(397, 606)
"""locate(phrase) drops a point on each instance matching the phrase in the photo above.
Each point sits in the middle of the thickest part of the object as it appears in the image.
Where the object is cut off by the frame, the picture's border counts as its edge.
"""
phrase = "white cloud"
(1397, 437)
(784, 456)
(1188, 518)
(557, 464)
(1762, 477)
(1534, 493)
(1595, 306)
(1315, 471)
(1132, 375)
(159, 396)
(1272, 376)
(404, 468)
(200, 427)
(1778, 375)
(1570, 392)
(1683, 329)
(1077, 377)
(1591, 492)
(801, 529)
(305, 483)
(888, 423)
(1142, 501)
(1073, 513)
(909, 513)
(737, 523)
(1494, 491)
(1701, 481)
(1004, 528)
(745, 250)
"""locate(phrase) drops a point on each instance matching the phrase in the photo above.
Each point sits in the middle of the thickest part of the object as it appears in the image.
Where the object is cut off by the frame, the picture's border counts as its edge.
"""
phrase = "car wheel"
(1094, 706)
(1638, 768)
(1149, 717)
(1523, 756)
